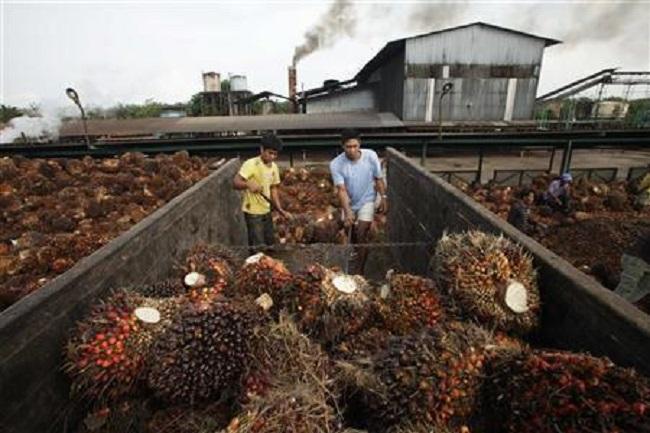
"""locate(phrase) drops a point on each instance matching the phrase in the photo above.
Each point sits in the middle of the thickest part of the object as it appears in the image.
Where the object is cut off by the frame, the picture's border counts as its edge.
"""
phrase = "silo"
(238, 83)
(211, 82)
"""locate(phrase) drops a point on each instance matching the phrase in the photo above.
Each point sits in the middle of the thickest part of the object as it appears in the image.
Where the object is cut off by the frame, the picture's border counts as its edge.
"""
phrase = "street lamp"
(74, 96)
(446, 88)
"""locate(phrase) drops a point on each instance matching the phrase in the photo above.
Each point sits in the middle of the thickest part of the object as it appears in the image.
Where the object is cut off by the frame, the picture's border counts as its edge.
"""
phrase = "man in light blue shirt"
(358, 178)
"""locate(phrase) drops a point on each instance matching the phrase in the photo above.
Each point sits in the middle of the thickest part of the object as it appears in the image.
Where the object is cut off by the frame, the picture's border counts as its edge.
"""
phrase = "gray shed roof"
(394, 47)
(280, 122)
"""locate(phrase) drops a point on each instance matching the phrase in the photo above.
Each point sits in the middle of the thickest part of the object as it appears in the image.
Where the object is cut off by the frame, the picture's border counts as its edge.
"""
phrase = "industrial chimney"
(292, 89)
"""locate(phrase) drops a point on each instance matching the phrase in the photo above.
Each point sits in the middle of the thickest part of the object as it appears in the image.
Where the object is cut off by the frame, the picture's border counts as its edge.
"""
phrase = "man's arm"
(380, 187)
(275, 198)
(240, 183)
(344, 199)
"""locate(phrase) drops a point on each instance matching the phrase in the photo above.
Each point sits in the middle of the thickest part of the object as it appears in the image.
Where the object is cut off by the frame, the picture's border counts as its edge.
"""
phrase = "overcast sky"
(132, 51)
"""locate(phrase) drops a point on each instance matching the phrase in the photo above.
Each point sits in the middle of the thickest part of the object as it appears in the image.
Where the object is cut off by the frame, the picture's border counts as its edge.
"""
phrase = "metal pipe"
(552, 160)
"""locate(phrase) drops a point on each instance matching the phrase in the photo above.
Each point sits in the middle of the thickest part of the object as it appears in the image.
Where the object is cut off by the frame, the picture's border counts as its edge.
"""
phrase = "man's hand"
(349, 218)
(383, 205)
(286, 215)
(253, 187)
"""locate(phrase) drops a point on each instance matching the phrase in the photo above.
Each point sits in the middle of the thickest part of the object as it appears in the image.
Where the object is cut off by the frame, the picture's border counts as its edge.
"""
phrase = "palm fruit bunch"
(261, 274)
(410, 303)
(550, 391)
(216, 262)
(201, 355)
(430, 377)
(364, 344)
(302, 296)
(329, 305)
(108, 350)
(491, 278)
(167, 288)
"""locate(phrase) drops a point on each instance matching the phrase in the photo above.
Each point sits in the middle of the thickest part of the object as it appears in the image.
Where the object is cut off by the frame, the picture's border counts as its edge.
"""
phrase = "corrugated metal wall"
(391, 84)
(475, 45)
(479, 61)
(352, 100)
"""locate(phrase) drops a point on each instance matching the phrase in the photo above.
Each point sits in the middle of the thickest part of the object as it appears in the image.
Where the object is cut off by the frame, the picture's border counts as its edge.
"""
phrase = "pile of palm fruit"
(268, 349)
(309, 194)
(600, 210)
(53, 212)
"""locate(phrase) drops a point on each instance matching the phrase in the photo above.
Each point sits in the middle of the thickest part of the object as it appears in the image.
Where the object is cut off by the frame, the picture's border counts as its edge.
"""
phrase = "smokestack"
(292, 89)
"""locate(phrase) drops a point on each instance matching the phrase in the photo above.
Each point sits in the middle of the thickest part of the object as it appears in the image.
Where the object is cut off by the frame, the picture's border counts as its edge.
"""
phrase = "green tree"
(638, 114)
(8, 112)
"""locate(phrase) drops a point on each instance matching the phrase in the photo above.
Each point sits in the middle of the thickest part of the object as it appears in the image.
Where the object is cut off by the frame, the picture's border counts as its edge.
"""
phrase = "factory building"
(494, 72)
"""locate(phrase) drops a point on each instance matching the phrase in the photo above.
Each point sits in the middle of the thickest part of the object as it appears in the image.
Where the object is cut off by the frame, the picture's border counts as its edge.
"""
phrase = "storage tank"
(610, 109)
(238, 83)
(211, 82)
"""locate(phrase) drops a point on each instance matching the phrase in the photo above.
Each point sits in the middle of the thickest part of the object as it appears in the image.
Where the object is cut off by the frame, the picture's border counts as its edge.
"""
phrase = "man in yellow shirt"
(259, 178)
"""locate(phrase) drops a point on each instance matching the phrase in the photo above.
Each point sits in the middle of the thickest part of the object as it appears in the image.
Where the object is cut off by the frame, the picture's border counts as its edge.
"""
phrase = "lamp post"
(446, 88)
(74, 96)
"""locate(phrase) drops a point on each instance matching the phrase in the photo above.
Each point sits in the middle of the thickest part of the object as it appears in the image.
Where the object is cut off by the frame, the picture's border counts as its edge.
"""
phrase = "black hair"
(271, 141)
(524, 192)
(349, 134)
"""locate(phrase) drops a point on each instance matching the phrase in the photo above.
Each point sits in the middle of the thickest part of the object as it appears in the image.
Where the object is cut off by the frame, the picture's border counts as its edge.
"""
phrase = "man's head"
(527, 195)
(270, 148)
(351, 142)
(566, 178)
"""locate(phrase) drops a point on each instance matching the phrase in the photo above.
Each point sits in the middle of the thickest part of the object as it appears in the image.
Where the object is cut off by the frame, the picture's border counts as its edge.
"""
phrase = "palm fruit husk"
(297, 386)
(215, 261)
(550, 391)
(409, 427)
(409, 303)
(208, 417)
(282, 355)
(201, 355)
(491, 278)
(123, 416)
(299, 408)
(108, 350)
(430, 377)
(261, 274)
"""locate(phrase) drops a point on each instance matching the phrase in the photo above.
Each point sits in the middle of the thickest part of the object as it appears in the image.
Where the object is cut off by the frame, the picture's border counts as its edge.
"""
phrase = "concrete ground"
(539, 160)
(530, 160)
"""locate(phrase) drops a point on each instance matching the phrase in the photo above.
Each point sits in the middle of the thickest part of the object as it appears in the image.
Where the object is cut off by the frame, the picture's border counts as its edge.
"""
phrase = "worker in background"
(558, 194)
(519, 215)
(361, 189)
(635, 274)
(259, 178)
(643, 192)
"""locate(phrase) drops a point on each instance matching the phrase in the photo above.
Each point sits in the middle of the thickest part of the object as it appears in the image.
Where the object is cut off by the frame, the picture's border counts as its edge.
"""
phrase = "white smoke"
(41, 127)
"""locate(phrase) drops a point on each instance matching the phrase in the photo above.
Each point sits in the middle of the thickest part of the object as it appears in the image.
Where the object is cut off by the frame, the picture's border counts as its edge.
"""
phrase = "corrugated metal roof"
(280, 122)
(393, 47)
